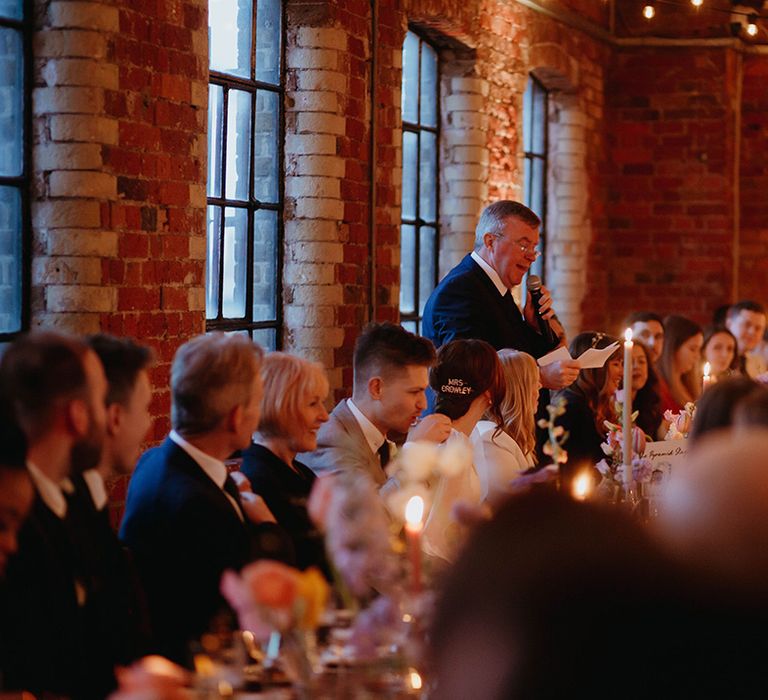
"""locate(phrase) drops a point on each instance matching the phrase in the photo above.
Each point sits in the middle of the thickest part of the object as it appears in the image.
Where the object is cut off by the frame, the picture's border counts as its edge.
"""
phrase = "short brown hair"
(40, 371)
(211, 374)
(287, 379)
(122, 359)
(382, 347)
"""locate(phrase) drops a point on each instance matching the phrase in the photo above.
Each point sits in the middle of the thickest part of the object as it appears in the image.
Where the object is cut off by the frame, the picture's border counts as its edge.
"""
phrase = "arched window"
(245, 188)
(419, 233)
(535, 138)
(14, 167)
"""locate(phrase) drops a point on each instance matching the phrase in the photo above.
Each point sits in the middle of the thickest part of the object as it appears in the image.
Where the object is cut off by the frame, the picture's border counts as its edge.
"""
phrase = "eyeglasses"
(528, 249)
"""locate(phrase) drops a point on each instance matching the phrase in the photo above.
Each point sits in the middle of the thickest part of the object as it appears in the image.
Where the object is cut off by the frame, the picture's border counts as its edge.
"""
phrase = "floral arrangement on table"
(612, 467)
(283, 606)
(680, 423)
(556, 434)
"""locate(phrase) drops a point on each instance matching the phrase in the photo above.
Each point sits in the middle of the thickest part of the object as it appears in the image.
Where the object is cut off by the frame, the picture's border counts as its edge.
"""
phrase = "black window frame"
(415, 317)
(251, 205)
(22, 181)
(538, 90)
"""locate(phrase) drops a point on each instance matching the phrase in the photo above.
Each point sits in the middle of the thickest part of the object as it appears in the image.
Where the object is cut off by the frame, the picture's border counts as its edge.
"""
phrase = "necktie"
(383, 453)
(230, 487)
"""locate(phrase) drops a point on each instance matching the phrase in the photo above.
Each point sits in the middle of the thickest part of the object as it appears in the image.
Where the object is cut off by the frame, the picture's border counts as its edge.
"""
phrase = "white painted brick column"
(70, 185)
(569, 227)
(314, 209)
(464, 166)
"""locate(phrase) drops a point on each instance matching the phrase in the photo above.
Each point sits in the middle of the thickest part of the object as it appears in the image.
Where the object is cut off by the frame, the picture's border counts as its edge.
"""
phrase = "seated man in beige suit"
(391, 368)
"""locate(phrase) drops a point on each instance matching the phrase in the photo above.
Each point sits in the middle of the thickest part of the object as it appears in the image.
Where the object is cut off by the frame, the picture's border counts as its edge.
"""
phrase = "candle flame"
(628, 335)
(582, 486)
(415, 680)
(707, 369)
(414, 510)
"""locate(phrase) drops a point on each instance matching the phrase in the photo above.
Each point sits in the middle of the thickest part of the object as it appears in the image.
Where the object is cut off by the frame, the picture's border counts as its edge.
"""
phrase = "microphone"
(534, 288)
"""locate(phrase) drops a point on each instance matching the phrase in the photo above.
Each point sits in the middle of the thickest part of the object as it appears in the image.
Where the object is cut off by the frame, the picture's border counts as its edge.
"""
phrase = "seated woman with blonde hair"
(504, 452)
(292, 411)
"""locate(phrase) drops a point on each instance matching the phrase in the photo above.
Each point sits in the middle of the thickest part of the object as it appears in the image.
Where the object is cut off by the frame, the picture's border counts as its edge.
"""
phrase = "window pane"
(428, 177)
(268, 13)
(215, 133)
(229, 29)
(13, 9)
(266, 160)
(527, 181)
(410, 326)
(212, 263)
(427, 254)
(238, 144)
(407, 261)
(264, 265)
(538, 182)
(428, 85)
(235, 262)
(10, 260)
(539, 120)
(410, 94)
(527, 116)
(11, 102)
(410, 156)
(266, 337)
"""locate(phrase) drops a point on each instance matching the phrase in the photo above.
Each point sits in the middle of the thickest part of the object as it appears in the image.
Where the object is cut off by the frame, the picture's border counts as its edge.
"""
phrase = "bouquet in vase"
(680, 423)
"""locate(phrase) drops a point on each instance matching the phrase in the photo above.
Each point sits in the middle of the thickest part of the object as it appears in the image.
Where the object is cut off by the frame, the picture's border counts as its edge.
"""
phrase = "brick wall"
(753, 268)
(666, 244)
(119, 188)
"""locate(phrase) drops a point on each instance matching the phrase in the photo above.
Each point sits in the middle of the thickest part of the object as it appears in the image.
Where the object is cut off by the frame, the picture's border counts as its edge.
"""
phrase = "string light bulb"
(649, 11)
(697, 3)
(752, 25)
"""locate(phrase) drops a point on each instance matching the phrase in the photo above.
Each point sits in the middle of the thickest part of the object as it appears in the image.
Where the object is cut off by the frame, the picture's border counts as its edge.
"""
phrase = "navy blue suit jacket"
(466, 304)
(184, 533)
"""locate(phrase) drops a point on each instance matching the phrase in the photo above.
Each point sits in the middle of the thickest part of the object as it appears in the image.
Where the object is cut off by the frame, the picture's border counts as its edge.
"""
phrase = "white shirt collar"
(503, 289)
(373, 436)
(95, 483)
(49, 491)
(214, 468)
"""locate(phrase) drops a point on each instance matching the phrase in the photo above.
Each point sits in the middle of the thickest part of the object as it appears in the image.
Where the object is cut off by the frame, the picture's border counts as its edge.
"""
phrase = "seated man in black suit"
(57, 389)
(185, 521)
(391, 368)
(119, 611)
(474, 300)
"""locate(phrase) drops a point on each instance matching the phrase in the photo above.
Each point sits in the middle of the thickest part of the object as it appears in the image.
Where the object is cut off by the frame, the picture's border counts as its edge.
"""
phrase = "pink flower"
(151, 677)
(638, 441)
(683, 422)
(272, 584)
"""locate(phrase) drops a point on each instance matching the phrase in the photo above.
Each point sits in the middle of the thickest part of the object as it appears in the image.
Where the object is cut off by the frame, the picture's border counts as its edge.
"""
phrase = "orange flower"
(312, 598)
(272, 584)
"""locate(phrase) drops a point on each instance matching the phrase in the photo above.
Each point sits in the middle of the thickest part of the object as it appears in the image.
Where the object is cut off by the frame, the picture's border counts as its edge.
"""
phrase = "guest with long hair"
(720, 350)
(503, 452)
(645, 396)
(678, 366)
(292, 411)
(589, 403)
(469, 383)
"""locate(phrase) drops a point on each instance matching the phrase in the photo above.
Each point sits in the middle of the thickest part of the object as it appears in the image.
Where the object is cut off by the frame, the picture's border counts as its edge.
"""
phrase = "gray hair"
(211, 375)
(494, 215)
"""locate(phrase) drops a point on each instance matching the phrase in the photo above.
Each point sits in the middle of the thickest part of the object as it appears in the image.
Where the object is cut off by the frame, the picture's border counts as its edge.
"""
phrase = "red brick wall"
(666, 240)
(753, 268)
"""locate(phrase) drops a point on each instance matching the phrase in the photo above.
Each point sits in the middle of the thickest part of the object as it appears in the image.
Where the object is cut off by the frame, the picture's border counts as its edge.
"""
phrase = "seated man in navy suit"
(391, 368)
(474, 300)
(185, 521)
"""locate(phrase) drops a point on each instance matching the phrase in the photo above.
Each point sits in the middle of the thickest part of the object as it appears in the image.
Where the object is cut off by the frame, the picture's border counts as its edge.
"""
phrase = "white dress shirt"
(373, 436)
(503, 289)
(97, 488)
(214, 468)
(49, 491)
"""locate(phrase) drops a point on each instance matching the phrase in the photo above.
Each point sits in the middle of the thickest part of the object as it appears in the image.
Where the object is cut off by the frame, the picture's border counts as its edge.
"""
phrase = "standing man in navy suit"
(474, 300)
(185, 520)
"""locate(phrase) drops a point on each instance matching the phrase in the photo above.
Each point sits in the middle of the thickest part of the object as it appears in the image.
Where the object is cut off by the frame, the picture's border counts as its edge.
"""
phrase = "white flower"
(455, 458)
(418, 459)
(606, 448)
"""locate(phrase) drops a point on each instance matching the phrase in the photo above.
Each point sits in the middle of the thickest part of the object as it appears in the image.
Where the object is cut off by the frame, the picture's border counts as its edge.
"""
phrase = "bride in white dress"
(469, 383)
